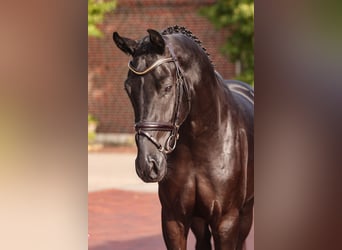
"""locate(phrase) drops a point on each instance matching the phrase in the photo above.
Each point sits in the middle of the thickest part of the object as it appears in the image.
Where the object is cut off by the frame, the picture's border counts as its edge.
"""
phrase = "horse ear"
(157, 40)
(125, 44)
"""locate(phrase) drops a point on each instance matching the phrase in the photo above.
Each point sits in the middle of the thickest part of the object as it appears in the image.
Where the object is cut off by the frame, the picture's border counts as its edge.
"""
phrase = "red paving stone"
(125, 220)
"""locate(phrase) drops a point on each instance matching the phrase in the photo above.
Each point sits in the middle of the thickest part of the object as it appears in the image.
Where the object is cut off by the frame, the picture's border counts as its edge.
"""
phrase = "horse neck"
(210, 102)
(209, 96)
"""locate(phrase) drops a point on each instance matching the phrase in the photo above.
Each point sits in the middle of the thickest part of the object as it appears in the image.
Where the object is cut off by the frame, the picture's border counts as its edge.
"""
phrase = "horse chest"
(213, 193)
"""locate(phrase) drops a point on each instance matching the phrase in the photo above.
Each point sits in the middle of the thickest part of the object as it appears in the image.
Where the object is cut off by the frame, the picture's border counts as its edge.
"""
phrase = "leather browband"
(157, 63)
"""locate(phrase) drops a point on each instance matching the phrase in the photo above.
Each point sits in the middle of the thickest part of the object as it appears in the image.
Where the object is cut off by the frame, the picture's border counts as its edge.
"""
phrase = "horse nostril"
(153, 166)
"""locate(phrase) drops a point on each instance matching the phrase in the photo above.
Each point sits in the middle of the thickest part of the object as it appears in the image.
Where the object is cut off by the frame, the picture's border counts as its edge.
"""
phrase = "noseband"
(142, 128)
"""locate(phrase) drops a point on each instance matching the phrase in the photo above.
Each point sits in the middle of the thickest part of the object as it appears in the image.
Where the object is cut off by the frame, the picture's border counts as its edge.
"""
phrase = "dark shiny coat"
(206, 182)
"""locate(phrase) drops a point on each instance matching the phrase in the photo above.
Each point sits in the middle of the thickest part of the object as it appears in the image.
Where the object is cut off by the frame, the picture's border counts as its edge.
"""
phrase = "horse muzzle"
(151, 168)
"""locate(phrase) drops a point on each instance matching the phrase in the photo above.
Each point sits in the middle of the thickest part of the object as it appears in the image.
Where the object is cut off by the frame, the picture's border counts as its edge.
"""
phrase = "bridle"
(143, 128)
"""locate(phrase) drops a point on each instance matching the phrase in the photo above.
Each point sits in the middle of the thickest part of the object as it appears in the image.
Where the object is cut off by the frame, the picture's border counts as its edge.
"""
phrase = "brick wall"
(107, 65)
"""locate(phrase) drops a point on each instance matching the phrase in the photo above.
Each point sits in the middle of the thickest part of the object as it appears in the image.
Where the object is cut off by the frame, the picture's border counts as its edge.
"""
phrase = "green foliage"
(92, 119)
(96, 11)
(91, 137)
(238, 17)
(92, 123)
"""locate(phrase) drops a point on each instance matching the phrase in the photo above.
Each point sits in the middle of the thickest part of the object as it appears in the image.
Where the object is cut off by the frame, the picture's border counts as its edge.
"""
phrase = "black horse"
(194, 133)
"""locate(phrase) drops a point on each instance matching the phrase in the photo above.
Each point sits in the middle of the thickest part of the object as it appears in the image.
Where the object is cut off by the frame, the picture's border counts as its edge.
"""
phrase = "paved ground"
(125, 220)
(123, 212)
(108, 170)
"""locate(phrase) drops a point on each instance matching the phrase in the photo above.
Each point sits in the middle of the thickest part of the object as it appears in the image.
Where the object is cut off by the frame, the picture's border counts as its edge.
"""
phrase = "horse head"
(160, 99)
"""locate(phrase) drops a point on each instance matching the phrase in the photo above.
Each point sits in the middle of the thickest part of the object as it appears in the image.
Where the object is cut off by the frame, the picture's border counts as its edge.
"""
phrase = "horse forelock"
(144, 47)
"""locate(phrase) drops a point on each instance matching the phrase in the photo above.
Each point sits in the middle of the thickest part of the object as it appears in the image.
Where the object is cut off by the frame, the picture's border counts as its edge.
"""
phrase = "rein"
(142, 128)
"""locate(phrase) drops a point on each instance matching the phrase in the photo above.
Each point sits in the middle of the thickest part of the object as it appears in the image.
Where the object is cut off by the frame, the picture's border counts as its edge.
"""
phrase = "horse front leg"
(202, 233)
(226, 231)
(175, 231)
(246, 221)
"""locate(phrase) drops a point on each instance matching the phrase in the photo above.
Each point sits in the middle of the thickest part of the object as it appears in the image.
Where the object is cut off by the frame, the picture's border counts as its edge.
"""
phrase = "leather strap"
(154, 65)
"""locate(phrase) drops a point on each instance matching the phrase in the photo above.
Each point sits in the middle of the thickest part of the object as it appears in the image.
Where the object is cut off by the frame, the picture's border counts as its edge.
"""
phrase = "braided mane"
(179, 29)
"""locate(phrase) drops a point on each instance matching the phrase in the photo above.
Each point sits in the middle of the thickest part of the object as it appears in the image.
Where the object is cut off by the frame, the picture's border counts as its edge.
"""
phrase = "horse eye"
(168, 88)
